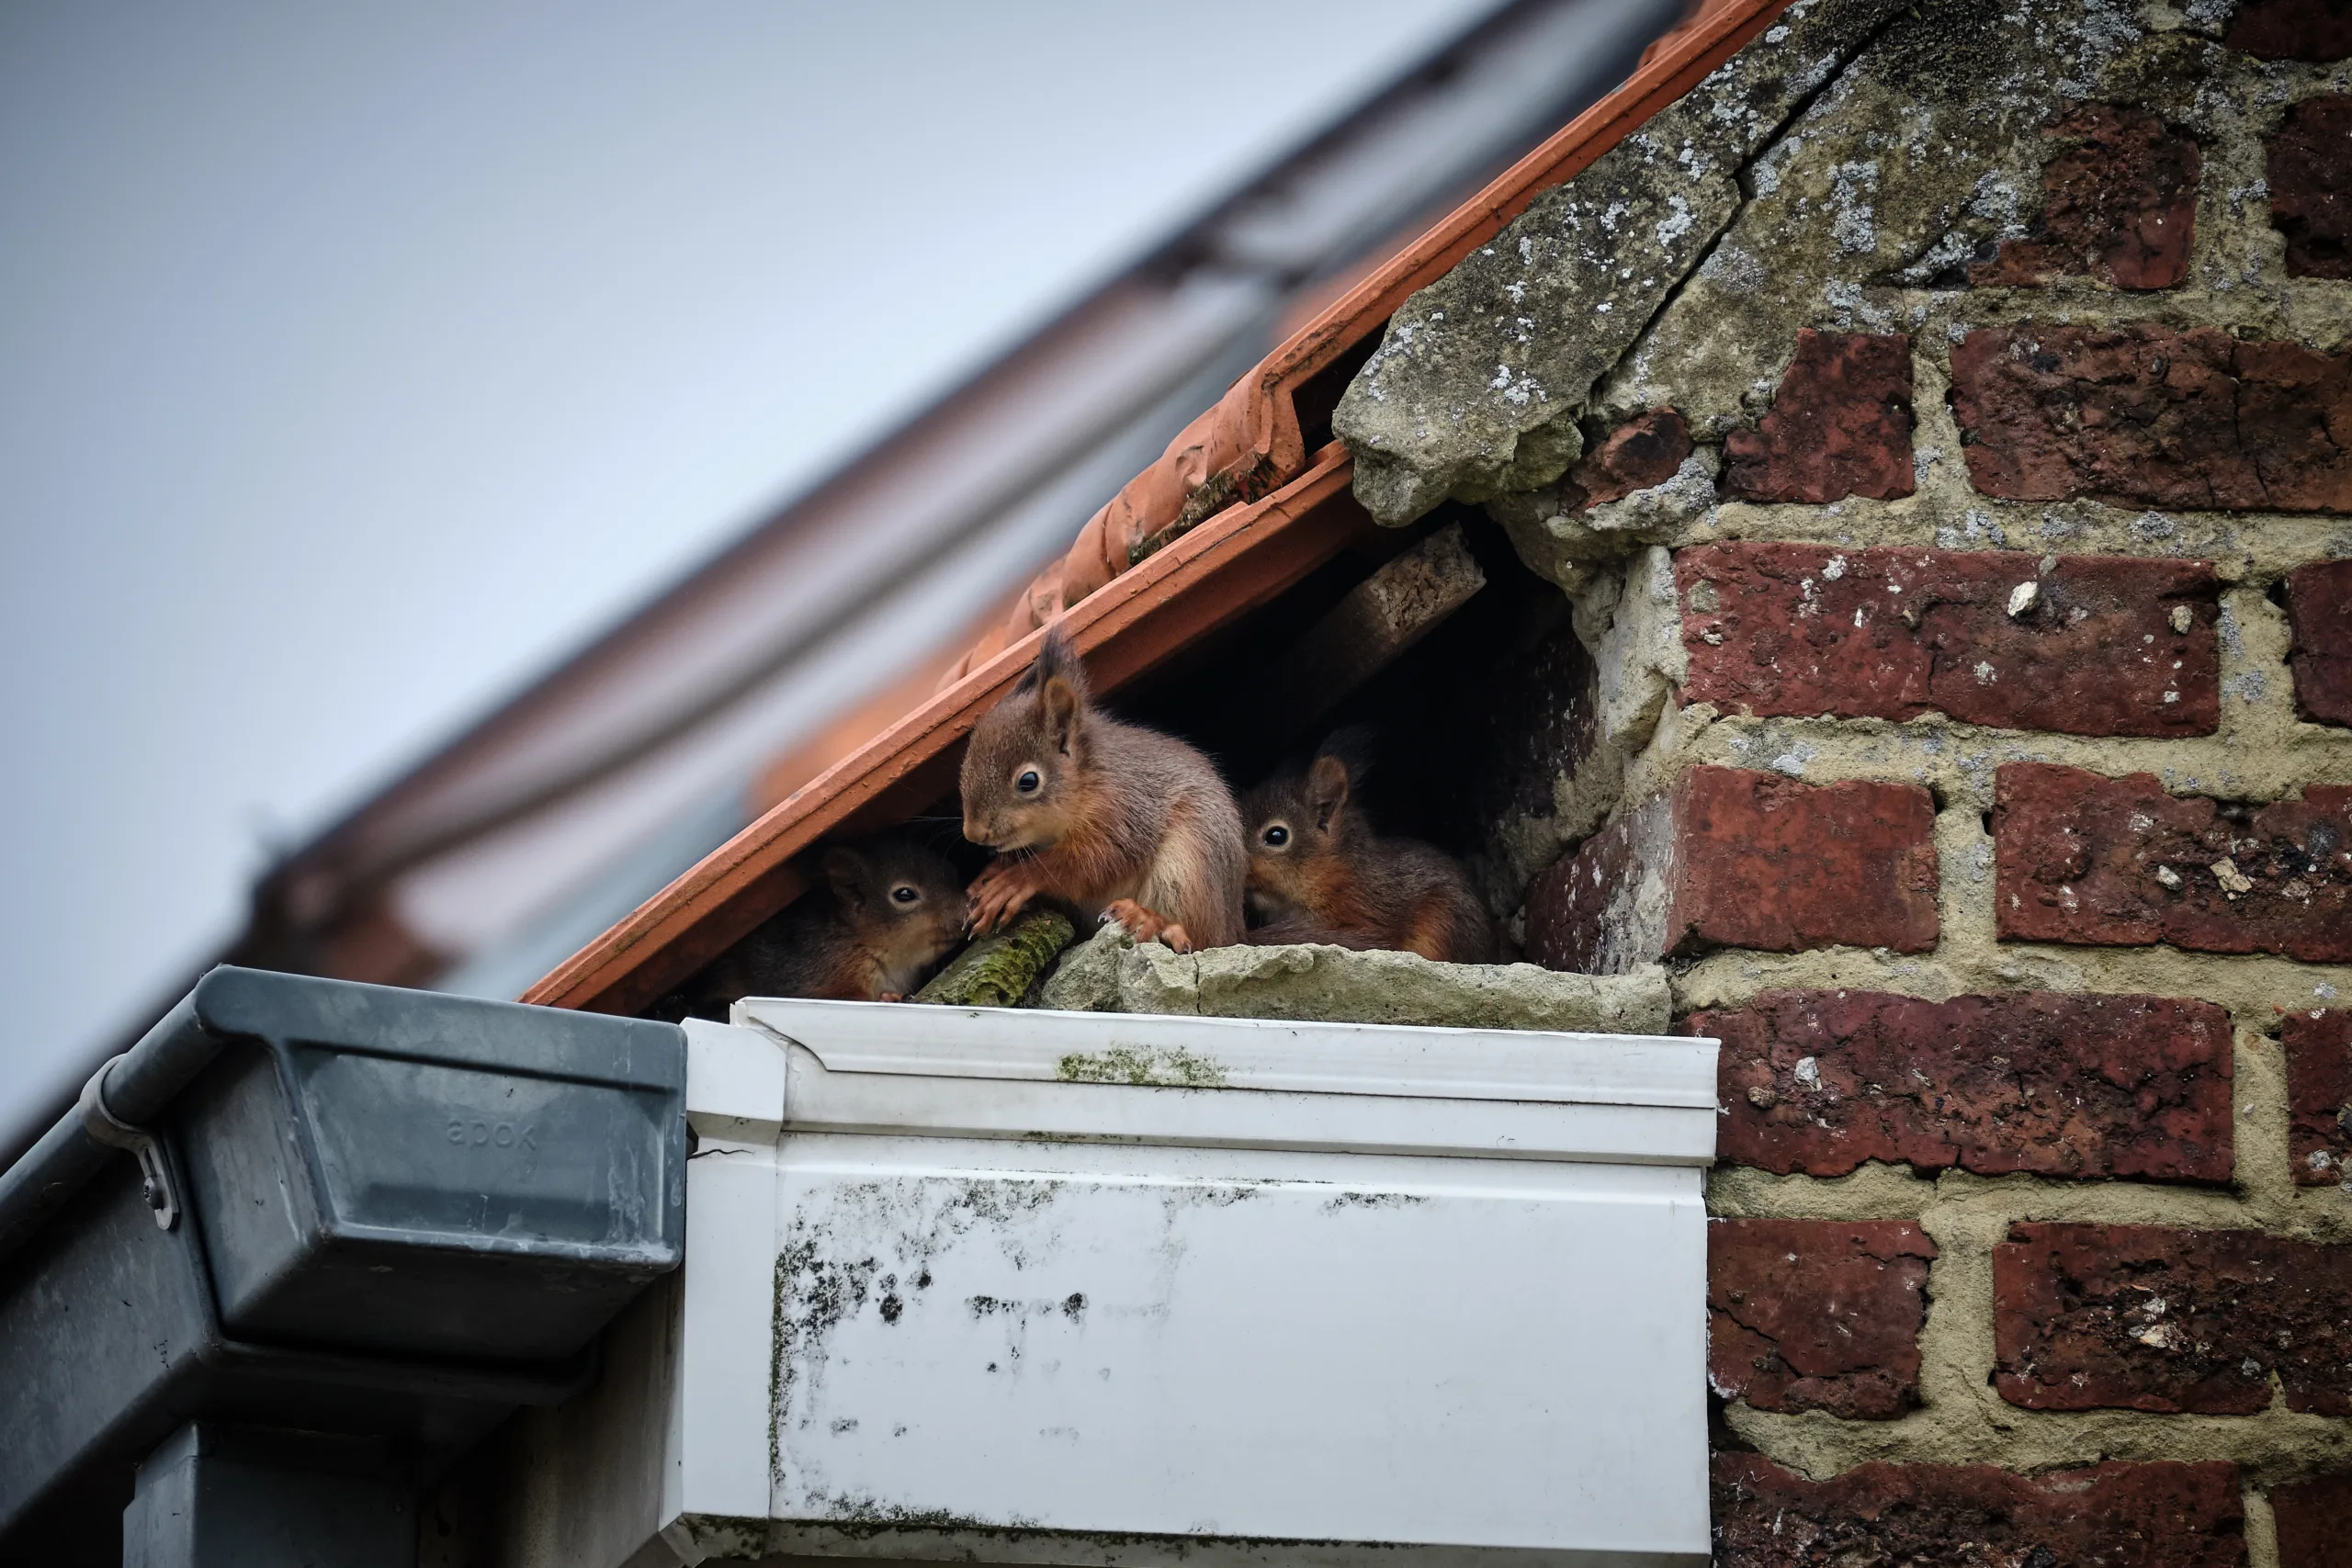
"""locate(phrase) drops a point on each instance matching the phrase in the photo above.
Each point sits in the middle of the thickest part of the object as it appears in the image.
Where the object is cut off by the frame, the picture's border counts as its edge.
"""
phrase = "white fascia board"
(735, 1080)
(1034, 1045)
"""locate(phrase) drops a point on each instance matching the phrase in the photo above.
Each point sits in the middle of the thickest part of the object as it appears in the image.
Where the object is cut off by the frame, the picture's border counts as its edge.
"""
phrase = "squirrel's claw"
(998, 893)
(1147, 925)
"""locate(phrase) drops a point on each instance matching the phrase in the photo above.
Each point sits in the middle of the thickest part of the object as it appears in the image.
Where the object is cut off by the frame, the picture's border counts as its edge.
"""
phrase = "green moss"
(1171, 1067)
(999, 971)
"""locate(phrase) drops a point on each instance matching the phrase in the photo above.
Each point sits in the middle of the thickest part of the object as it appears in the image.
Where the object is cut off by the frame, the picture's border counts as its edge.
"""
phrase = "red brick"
(2063, 1084)
(1801, 629)
(2082, 858)
(2314, 1522)
(2119, 203)
(1951, 1515)
(2319, 1095)
(2141, 415)
(2292, 29)
(2149, 1317)
(1818, 1315)
(1645, 450)
(1741, 859)
(1839, 425)
(2319, 609)
(2310, 175)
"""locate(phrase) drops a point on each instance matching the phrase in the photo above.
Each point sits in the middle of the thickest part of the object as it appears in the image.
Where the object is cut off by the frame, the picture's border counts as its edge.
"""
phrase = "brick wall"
(1995, 809)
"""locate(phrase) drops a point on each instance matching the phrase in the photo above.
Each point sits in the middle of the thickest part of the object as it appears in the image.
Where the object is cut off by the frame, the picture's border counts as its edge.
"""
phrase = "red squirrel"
(888, 910)
(1319, 874)
(1109, 820)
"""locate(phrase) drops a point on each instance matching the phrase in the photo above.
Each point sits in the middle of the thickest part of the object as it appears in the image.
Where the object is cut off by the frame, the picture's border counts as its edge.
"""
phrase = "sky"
(358, 363)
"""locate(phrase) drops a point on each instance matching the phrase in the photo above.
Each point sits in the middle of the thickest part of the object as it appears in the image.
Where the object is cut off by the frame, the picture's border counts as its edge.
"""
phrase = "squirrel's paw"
(1146, 925)
(891, 996)
(997, 894)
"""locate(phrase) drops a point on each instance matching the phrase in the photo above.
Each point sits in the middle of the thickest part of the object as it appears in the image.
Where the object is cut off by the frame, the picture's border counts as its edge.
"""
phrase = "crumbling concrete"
(1112, 974)
(1476, 387)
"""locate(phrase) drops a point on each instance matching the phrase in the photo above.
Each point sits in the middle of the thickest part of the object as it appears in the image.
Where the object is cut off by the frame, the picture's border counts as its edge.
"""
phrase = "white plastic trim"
(1434, 1294)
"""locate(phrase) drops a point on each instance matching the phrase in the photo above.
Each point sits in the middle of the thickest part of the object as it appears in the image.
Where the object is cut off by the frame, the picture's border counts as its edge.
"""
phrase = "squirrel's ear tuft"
(1058, 661)
(1061, 687)
(845, 871)
(1351, 748)
(1326, 789)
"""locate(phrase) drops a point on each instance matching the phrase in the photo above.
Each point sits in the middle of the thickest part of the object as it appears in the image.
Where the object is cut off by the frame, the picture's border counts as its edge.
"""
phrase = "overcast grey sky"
(359, 361)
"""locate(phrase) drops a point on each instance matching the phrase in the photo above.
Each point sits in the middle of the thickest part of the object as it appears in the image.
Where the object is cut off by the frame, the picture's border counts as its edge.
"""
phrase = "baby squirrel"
(1319, 873)
(1110, 820)
(888, 910)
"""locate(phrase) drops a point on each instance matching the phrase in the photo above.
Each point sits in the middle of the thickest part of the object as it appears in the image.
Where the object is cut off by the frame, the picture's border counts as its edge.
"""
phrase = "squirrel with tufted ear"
(1317, 872)
(888, 910)
(1109, 820)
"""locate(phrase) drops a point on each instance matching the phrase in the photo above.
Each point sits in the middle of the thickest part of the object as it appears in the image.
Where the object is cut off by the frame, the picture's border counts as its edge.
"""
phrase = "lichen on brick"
(2167, 1319)
(1819, 1082)
(2146, 1516)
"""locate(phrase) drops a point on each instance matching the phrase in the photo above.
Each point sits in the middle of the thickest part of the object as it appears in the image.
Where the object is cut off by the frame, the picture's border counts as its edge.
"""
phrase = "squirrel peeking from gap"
(1318, 872)
(1109, 820)
(888, 910)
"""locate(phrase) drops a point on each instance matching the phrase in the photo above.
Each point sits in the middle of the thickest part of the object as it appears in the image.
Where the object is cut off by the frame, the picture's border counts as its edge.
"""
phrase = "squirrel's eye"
(1028, 781)
(1277, 836)
(904, 893)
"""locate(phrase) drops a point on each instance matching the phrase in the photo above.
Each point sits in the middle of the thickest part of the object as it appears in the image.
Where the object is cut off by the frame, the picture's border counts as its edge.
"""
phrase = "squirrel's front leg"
(999, 892)
(1149, 925)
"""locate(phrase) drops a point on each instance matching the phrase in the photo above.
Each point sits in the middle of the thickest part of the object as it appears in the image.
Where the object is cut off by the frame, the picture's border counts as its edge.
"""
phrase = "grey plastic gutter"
(121, 1098)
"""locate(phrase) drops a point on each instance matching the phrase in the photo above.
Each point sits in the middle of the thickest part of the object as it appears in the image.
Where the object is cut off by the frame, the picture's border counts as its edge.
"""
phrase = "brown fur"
(858, 936)
(1331, 878)
(1123, 822)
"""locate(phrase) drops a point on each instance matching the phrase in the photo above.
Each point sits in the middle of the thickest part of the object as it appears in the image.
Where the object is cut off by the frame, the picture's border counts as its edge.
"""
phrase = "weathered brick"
(1645, 450)
(2319, 610)
(2082, 858)
(2292, 29)
(2319, 1095)
(1818, 1315)
(2149, 1317)
(2310, 175)
(2314, 1522)
(2143, 415)
(2086, 645)
(2119, 203)
(2161, 1515)
(1839, 425)
(1730, 858)
(2056, 1084)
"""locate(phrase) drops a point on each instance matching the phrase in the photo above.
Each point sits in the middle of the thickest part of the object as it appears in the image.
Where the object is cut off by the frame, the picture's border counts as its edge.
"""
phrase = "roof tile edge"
(1254, 427)
(1208, 578)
